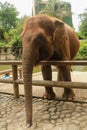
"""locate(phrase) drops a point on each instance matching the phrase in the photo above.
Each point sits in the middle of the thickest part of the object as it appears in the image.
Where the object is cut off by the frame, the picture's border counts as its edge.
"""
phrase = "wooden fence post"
(15, 77)
(20, 73)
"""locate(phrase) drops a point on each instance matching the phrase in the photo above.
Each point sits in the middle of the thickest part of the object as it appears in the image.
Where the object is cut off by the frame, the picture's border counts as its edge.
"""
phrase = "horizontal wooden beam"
(61, 84)
(77, 62)
(10, 62)
(84, 62)
(9, 81)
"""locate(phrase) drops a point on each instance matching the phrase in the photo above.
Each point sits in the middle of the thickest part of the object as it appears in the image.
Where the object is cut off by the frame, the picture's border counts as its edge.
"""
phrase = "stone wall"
(10, 53)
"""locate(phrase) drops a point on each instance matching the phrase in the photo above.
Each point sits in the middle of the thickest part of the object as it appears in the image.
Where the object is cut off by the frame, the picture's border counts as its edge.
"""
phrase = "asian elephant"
(46, 38)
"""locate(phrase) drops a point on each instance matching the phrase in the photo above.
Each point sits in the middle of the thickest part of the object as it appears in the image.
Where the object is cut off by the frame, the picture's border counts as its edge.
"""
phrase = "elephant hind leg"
(64, 75)
(47, 75)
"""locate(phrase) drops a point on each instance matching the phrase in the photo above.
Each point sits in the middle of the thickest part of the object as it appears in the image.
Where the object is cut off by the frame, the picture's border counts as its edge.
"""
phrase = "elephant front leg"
(64, 75)
(47, 75)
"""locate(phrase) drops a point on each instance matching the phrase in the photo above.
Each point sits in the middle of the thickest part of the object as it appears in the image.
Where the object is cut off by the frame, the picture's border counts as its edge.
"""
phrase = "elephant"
(46, 38)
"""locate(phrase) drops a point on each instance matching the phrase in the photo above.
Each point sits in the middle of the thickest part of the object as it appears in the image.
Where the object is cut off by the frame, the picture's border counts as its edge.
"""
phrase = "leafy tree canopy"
(55, 8)
(1, 34)
(82, 54)
(83, 24)
(13, 37)
(8, 16)
(10, 25)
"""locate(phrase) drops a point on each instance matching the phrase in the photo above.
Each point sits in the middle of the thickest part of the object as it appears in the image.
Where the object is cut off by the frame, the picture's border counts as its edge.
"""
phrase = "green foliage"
(50, 8)
(8, 16)
(55, 8)
(39, 6)
(10, 25)
(2, 43)
(79, 35)
(83, 25)
(82, 54)
(66, 13)
(1, 34)
(13, 37)
(37, 69)
(5, 67)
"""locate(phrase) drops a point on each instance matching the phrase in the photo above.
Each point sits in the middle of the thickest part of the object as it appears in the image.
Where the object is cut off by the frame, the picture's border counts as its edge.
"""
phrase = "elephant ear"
(61, 39)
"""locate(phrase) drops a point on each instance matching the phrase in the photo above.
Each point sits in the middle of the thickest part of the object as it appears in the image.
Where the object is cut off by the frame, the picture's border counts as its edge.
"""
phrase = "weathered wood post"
(15, 77)
(20, 72)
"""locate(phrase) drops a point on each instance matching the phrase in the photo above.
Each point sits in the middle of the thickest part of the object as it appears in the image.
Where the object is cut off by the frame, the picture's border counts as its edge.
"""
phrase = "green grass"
(4, 67)
(37, 69)
(83, 41)
(79, 68)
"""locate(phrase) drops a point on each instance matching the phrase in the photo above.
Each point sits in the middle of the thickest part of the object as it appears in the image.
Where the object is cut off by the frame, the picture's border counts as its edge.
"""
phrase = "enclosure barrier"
(16, 80)
(9, 71)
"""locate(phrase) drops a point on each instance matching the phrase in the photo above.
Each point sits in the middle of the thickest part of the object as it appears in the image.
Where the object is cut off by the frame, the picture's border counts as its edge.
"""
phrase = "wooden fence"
(9, 72)
(16, 80)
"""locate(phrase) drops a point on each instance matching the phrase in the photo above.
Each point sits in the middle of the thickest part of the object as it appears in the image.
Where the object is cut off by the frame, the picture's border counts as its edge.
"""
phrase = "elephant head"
(43, 38)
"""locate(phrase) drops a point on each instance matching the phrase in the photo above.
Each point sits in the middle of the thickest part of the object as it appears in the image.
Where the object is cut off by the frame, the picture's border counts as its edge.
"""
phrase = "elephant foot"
(28, 124)
(49, 96)
(68, 94)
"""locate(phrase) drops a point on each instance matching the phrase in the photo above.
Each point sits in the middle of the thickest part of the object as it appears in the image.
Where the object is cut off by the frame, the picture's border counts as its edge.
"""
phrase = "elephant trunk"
(27, 78)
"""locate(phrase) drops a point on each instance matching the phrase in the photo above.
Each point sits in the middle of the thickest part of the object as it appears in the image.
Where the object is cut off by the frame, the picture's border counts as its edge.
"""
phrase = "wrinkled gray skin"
(46, 38)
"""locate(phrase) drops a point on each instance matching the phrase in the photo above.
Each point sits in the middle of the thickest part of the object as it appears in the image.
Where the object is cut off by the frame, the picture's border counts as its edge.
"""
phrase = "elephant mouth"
(39, 60)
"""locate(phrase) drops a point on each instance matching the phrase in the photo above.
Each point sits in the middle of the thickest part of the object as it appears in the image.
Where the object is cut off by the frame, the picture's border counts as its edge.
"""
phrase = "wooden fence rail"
(61, 84)
(16, 81)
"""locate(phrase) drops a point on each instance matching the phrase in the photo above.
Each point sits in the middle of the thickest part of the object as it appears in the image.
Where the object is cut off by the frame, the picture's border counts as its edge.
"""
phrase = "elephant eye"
(29, 38)
(40, 39)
